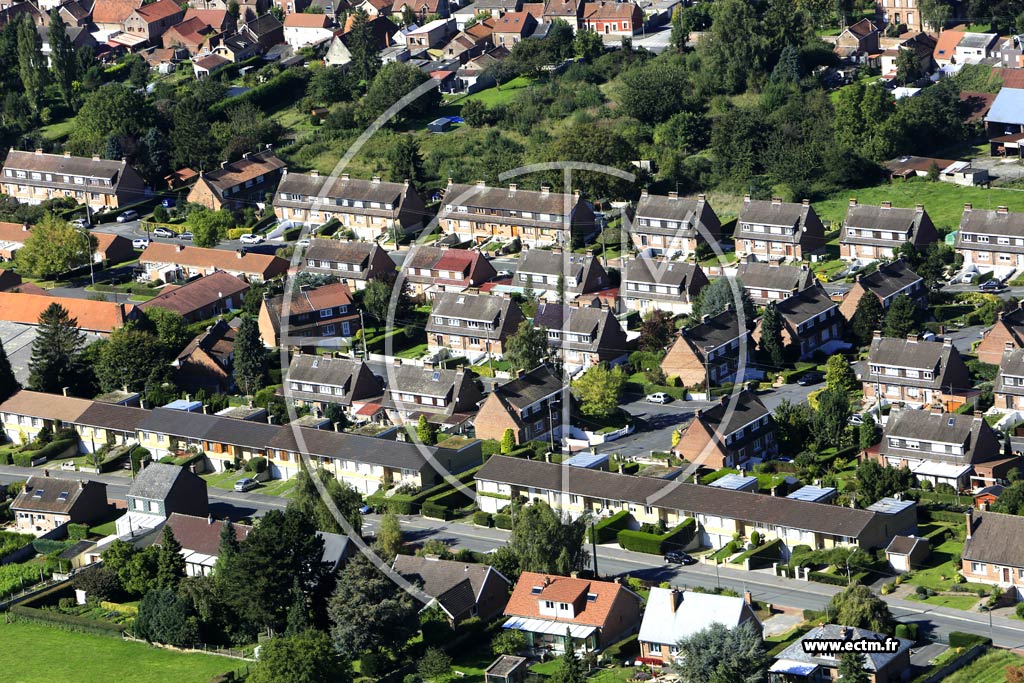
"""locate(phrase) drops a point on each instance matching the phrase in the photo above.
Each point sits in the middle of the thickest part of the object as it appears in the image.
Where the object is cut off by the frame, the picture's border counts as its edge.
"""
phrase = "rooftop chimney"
(240, 253)
(643, 192)
(545, 189)
(877, 334)
(746, 198)
(886, 205)
(397, 362)
(919, 207)
(375, 179)
(39, 151)
(1002, 209)
(912, 338)
(209, 519)
(315, 173)
(345, 176)
(673, 195)
(700, 197)
(968, 206)
(806, 202)
(64, 390)
(969, 518)
(67, 154)
(1008, 346)
(512, 187)
(748, 597)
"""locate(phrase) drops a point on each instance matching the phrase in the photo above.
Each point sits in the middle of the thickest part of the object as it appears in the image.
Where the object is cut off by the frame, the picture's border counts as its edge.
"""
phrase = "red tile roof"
(13, 232)
(113, 11)
(217, 18)
(198, 294)
(525, 603)
(302, 20)
(161, 9)
(201, 534)
(99, 316)
(264, 265)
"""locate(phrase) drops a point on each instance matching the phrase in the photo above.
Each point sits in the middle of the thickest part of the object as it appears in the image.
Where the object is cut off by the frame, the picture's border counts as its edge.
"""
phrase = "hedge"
(67, 622)
(435, 511)
(272, 92)
(608, 528)
(657, 544)
(235, 233)
(770, 550)
(962, 639)
(942, 516)
(50, 450)
(502, 520)
(481, 518)
(836, 579)
(519, 453)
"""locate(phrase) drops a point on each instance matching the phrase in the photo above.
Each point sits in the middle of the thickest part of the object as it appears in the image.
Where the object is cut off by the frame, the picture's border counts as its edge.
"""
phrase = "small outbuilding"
(441, 125)
(906, 552)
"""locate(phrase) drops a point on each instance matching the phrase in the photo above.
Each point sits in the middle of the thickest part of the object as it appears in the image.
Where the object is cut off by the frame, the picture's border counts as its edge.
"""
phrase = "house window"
(549, 604)
(326, 313)
(978, 567)
(655, 648)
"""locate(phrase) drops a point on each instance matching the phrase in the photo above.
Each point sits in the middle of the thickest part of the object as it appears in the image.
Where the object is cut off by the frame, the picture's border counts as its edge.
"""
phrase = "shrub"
(906, 631)
(481, 518)
(503, 521)
(645, 542)
(257, 465)
(921, 590)
(434, 510)
(1019, 610)
(66, 622)
(608, 528)
(755, 538)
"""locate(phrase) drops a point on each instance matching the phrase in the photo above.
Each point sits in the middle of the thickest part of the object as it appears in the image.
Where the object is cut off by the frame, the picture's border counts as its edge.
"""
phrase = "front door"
(1006, 575)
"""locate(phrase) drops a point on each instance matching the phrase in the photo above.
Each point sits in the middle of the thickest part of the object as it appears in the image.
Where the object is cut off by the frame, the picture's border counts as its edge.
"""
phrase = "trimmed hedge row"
(608, 528)
(962, 639)
(503, 521)
(67, 622)
(481, 518)
(50, 450)
(770, 550)
(836, 579)
(657, 544)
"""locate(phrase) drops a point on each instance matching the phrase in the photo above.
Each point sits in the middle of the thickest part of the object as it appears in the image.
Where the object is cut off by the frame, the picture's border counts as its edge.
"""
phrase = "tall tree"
(867, 318)
(859, 607)
(53, 247)
(544, 542)
(680, 36)
(307, 657)
(851, 668)
(570, 668)
(31, 63)
(599, 390)
(129, 358)
(388, 541)
(771, 335)
(719, 654)
(250, 362)
(718, 294)
(171, 329)
(56, 350)
(369, 611)
(793, 421)
(394, 81)
(839, 376)
(63, 62)
(527, 348)
(901, 318)
(170, 564)
(908, 67)
(657, 331)
(299, 619)
(306, 498)
(165, 617)
(191, 142)
(362, 46)
(404, 160)
(8, 382)
(587, 45)
(831, 420)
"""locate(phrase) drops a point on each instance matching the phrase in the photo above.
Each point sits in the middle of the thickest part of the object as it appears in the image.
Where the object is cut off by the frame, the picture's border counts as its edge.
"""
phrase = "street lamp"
(552, 405)
(88, 251)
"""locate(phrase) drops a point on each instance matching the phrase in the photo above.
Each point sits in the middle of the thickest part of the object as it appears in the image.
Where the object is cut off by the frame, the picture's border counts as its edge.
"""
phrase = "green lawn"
(492, 96)
(966, 601)
(50, 655)
(58, 131)
(940, 565)
(278, 487)
(989, 668)
(224, 480)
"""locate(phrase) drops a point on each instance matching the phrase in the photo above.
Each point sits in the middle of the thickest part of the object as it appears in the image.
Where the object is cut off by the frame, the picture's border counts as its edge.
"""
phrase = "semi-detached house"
(1005, 335)
(810, 322)
(765, 282)
(891, 280)
(430, 270)
(239, 184)
(475, 326)
(994, 551)
(582, 336)
(710, 353)
(991, 238)
(313, 316)
(729, 434)
(916, 372)
(322, 380)
(165, 261)
(34, 177)
(530, 405)
(1009, 383)
(544, 271)
(871, 233)
(353, 263)
(673, 226)
(670, 286)
(778, 231)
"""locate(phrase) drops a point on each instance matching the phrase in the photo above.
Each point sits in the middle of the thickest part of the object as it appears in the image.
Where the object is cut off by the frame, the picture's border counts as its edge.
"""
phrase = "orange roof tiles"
(302, 20)
(161, 9)
(13, 232)
(98, 316)
(264, 265)
(945, 46)
(525, 603)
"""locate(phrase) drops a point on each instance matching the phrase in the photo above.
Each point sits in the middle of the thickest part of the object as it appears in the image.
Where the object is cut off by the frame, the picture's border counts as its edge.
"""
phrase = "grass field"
(989, 668)
(966, 601)
(39, 654)
(940, 565)
(492, 96)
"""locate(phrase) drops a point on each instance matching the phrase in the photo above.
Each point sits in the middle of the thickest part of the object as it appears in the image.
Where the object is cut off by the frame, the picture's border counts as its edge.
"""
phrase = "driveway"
(654, 426)
(794, 393)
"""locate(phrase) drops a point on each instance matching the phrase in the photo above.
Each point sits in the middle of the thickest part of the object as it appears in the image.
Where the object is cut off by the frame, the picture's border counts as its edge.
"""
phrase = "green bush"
(24, 458)
(66, 622)
(769, 551)
(503, 521)
(481, 518)
(434, 511)
(961, 639)
(520, 453)
(906, 631)
(608, 528)
(257, 465)
(1019, 610)
(656, 544)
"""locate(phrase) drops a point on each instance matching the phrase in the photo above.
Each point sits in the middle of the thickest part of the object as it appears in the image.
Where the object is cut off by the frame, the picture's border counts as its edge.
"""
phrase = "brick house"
(778, 231)
(582, 336)
(810, 323)
(475, 326)
(100, 317)
(249, 10)
(915, 372)
(672, 226)
(545, 218)
(219, 19)
(430, 270)
(994, 550)
(613, 18)
(513, 27)
(110, 15)
(871, 233)
(1008, 387)
(541, 270)
(461, 590)
(206, 362)
(672, 614)
(436, 393)
(165, 261)
(524, 405)
(369, 208)
(670, 286)
(729, 434)
(321, 380)
(557, 613)
(47, 502)
(320, 316)
(354, 263)
(160, 490)
(772, 281)
(796, 665)
(34, 177)
(1008, 329)
(239, 183)
(569, 11)
(708, 352)
(991, 238)
(150, 21)
(194, 35)
(203, 298)
(858, 41)
(888, 282)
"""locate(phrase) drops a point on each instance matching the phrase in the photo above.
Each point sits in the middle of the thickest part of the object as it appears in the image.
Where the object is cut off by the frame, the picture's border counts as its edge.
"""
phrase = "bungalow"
(354, 263)
(34, 177)
(915, 372)
(203, 298)
(369, 208)
(200, 540)
(711, 352)
(462, 591)
(891, 280)
(151, 20)
(778, 231)
(432, 270)
(739, 428)
(613, 18)
(545, 218)
(871, 233)
(160, 490)
(323, 380)
(46, 503)
(673, 614)
(991, 238)
(206, 362)
(554, 274)
(239, 183)
(558, 613)
(810, 323)
(237, 48)
(511, 28)
(301, 30)
(167, 262)
(475, 326)
(27, 413)
(672, 226)
(795, 664)
(100, 317)
(582, 336)
(448, 397)
(994, 552)
(528, 405)
(670, 286)
(321, 316)
(208, 65)
(765, 282)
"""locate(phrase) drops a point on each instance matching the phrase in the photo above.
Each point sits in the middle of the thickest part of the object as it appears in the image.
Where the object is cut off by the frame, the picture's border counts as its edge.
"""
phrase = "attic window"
(537, 590)
(951, 421)
(39, 493)
(436, 376)
(591, 597)
(461, 300)
(316, 363)
(63, 496)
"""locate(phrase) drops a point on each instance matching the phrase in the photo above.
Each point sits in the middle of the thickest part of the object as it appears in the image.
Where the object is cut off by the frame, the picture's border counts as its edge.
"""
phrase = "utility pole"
(707, 373)
(593, 545)
(362, 330)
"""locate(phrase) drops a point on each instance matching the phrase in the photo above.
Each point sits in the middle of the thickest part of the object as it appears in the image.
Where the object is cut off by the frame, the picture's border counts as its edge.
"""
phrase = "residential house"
(556, 274)
(938, 447)
(249, 10)
(112, 248)
(796, 665)
(384, 32)
(448, 397)
(151, 20)
(994, 551)
(871, 233)
(945, 46)
(302, 30)
(991, 239)
(226, 442)
(858, 41)
(208, 65)
(202, 298)
(475, 75)
(613, 18)
(975, 47)
(569, 11)
(239, 183)
(710, 352)
(195, 35)
(474, 326)
(765, 282)
(462, 591)
(160, 490)
(890, 281)
(718, 513)
(220, 19)
(109, 15)
(729, 434)
(582, 336)
(319, 381)
(34, 177)
(200, 540)
(167, 262)
(1007, 334)
(354, 263)
(107, 424)
(12, 238)
(672, 226)
(1008, 387)
(545, 218)
(422, 9)
(92, 316)
(529, 405)
(900, 12)
(511, 28)
(27, 413)
(472, 42)
(46, 503)
(922, 45)
(810, 323)
(1011, 52)
(431, 270)
(321, 316)
(371, 209)
(558, 613)
(433, 34)
(376, 8)
(672, 615)
(915, 372)
(206, 361)
(265, 29)
(237, 48)
(778, 231)
(670, 286)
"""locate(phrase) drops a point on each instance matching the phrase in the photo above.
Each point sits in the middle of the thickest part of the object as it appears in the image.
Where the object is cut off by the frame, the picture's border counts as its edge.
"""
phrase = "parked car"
(679, 557)
(81, 223)
(163, 232)
(303, 243)
(504, 274)
(809, 378)
(129, 215)
(991, 286)
(140, 243)
(658, 397)
(187, 235)
(167, 203)
(856, 419)
(251, 239)
(246, 484)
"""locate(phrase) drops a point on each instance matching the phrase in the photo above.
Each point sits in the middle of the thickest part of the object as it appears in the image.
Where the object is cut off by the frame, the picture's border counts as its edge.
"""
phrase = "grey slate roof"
(728, 416)
(872, 661)
(338, 251)
(716, 331)
(51, 488)
(651, 271)
(890, 278)
(805, 304)
(978, 440)
(112, 416)
(544, 262)
(329, 189)
(338, 372)
(455, 585)
(922, 355)
(890, 219)
(210, 427)
(772, 213)
(683, 214)
(353, 447)
(412, 379)
(482, 308)
(59, 165)
(533, 386)
(156, 480)
(991, 222)
(756, 275)
(996, 539)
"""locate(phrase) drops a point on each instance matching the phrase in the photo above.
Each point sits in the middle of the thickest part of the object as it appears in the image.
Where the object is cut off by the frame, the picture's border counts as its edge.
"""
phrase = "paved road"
(655, 424)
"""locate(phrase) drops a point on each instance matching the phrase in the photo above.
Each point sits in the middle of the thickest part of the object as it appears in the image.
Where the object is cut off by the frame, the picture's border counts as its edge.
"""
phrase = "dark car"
(809, 378)
(167, 203)
(679, 557)
(991, 286)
